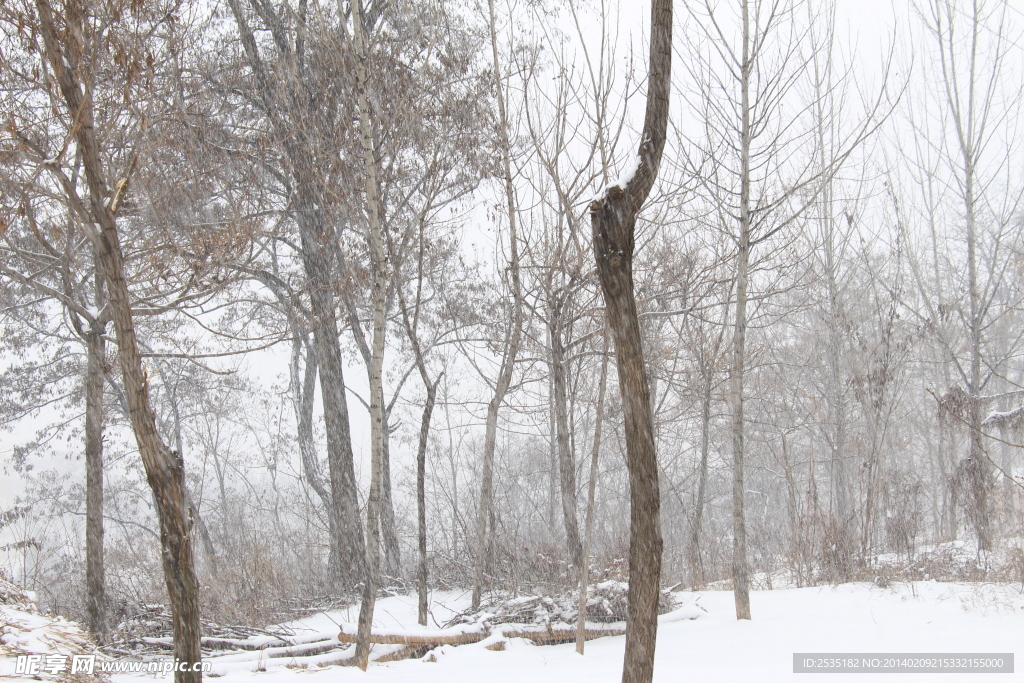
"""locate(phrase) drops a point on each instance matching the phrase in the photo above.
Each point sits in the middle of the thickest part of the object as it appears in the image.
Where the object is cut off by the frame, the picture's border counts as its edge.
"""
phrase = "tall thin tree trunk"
(581, 617)
(978, 469)
(388, 532)
(566, 459)
(484, 508)
(835, 396)
(740, 577)
(552, 448)
(96, 600)
(421, 451)
(421, 501)
(378, 295)
(696, 560)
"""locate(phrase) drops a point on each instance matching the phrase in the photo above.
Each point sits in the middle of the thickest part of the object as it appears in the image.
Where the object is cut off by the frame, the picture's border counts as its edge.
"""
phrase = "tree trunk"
(96, 600)
(351, 550)
(484, 509)
(165, 470)
(740, 578)
(552, 452)
(566, 459)
(696, 561)
(193, 510)
(581, 618)
(389, 534)
(613, 219)
(978, 468)
(421, 501)
(378, 272)
(315, 239)
(303, 395)
(392, 553)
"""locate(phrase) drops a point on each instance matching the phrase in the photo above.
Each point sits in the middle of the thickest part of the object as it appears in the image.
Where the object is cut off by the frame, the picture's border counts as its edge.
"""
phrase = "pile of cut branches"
(147, 631)
(606, 604)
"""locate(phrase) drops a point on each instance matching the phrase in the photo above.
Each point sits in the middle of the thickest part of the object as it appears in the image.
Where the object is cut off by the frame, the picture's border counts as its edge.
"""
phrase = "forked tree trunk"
(193, 511)
(349, 552)
(303, 397)
(613, 219)
(164, 469)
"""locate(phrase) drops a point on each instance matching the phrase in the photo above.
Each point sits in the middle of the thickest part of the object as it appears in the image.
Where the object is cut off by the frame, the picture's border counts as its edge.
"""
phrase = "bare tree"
(750, 171)
(65, 54)
(613, 218)
(964, 152)
(515, 330)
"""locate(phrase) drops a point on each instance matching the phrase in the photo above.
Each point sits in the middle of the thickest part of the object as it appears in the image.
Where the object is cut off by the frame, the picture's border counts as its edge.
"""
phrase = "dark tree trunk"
(303, 396)
(350, 549)
(613, 219)
(421, 501)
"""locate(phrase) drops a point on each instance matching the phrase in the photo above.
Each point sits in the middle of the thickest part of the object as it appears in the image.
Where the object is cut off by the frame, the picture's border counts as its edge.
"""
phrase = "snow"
(700, 641)
(627, 175)
(628, 172)
(23, 631)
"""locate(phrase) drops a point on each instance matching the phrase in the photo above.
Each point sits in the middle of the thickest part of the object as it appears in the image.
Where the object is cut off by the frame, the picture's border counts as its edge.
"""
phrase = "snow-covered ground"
(923, 617)
(919, 617)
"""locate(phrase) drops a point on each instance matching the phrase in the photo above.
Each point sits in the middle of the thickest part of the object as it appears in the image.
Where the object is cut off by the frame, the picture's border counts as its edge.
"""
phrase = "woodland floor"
(700, 641)
(855, 618)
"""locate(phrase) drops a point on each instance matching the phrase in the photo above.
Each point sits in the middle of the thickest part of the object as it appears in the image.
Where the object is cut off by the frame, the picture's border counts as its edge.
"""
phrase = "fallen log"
(554, 636)
(215, 643)
(540, 636)
(417, 640)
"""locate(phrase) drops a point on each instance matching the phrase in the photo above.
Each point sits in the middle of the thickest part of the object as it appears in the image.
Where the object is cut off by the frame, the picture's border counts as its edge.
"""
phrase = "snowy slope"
(24, 631)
